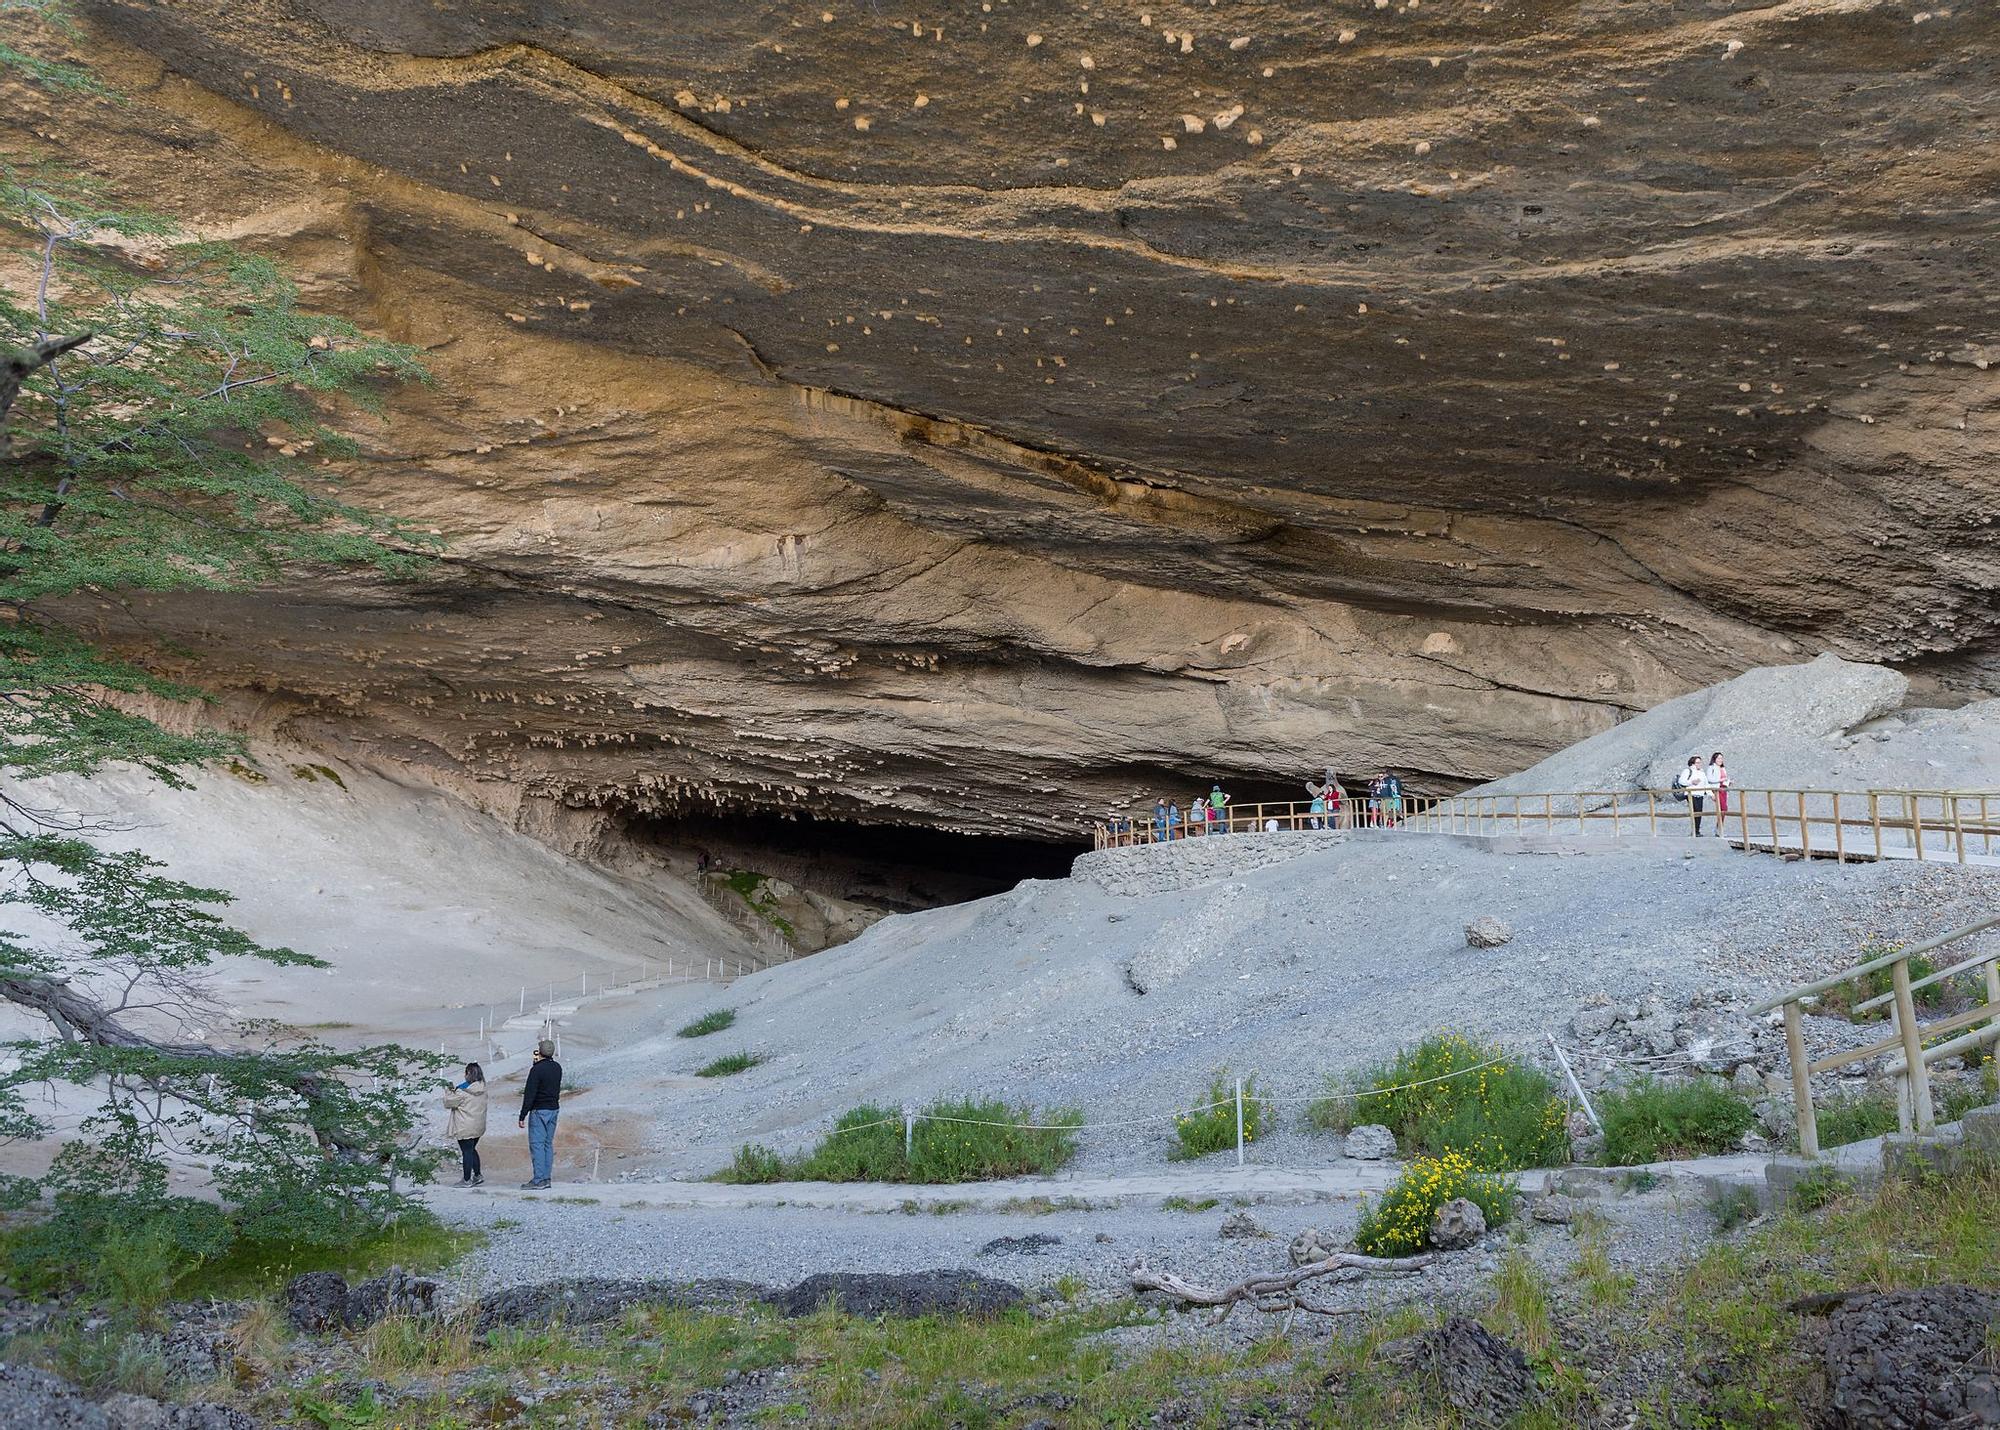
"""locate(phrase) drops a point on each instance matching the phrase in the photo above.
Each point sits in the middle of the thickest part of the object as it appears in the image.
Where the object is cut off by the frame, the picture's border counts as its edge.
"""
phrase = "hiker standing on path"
(1692, 782)
(466, 1101)
(1218, 808)
(1173, 819)
(1198, 816)
(1159, 820)
(1718, 780)
(540, 1097)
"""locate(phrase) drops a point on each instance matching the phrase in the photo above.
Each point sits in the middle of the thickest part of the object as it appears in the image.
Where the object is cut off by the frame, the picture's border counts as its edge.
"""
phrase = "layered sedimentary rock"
(978, 415)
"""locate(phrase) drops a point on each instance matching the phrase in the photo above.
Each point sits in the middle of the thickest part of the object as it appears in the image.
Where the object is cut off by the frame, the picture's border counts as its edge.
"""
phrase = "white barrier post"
(596, 1161)
(909, 1134)
(524, 997)
(1239, 1122)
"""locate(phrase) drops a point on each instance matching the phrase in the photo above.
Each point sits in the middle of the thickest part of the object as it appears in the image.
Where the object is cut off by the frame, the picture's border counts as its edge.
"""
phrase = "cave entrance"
(875, 869)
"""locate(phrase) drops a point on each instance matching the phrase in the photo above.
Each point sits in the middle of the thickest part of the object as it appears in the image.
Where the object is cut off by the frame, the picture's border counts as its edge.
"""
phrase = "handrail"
(1843, 825)
(1964, 965)
(1807, 990)
(1914, 1109)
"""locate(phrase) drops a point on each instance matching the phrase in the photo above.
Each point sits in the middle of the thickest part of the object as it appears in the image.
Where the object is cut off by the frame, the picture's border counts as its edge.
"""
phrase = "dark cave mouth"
(884, 868)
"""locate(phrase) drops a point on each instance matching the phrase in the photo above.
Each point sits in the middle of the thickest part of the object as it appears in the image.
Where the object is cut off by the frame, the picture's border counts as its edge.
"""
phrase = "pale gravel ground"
(1294, 956)
(549, 1239)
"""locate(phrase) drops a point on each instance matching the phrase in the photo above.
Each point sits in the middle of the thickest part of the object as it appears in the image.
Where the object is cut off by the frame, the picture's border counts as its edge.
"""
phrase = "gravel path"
(560, 1237)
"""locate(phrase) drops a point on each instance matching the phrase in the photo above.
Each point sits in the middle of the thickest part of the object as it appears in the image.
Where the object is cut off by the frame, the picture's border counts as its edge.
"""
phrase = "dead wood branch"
(1276, 1291)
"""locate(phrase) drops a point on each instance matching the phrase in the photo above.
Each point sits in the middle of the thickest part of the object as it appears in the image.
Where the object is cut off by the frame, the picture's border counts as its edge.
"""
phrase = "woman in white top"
(1693, 782)
(1718, 780)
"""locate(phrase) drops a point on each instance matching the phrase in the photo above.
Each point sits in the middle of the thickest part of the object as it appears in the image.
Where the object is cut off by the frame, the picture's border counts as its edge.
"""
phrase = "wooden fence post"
(1795, 1050)
(1915, 804)
(1839, 834)
(1875, 821)
(1957, 828)
(1805, 829)
(1913, 1047)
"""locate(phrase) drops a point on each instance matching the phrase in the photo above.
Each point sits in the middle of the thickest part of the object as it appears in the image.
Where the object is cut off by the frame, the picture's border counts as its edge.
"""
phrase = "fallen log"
(1278, 1290)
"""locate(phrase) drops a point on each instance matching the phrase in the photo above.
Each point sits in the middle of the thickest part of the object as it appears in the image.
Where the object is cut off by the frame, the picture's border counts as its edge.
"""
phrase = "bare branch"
(1275, 1291)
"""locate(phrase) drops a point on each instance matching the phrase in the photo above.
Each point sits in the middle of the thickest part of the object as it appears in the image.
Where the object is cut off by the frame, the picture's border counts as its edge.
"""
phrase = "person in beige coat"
(466, 1102)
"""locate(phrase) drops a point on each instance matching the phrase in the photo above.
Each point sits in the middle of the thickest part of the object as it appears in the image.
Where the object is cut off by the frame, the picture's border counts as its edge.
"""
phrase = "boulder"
(1033, 1244)
(1371, 1142)
(1457, 1224)
(394, 1293)
(1593, 1022)
(915, 1293)
(1479, 1375)
(36, 1400)
(1555, 1208)
(1240, 1226)
(588, 1300)
(1914, 1358)
(316, 1302)
(1312, 1244)
(1487, 932)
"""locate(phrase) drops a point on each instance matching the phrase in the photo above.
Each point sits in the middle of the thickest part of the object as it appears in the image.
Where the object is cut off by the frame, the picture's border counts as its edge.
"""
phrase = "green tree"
(162, 403)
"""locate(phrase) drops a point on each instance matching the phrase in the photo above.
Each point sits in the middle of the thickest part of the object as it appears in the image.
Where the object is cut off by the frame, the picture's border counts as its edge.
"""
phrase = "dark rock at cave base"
(1480, 1375)
(586, 1300)
(1033, 1244)
(322, 1301)
(1915, 1360)
(915, 1293)
(36, 1400)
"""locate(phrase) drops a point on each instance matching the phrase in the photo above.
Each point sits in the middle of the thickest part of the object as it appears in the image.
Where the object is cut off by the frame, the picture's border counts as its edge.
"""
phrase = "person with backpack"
(1218, 808)
(1198, 816)
(1691, 784)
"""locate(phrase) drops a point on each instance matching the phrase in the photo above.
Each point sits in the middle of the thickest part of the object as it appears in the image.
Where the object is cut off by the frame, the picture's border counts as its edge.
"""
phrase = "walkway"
(1935, 826)
(1339, 1181)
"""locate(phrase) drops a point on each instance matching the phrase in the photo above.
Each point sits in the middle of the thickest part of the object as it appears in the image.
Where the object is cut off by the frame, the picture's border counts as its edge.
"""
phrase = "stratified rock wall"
(981, 414)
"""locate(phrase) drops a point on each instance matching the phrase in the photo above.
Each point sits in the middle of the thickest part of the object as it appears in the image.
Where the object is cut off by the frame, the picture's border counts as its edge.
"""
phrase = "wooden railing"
(1956, 825)
(1907, 1037)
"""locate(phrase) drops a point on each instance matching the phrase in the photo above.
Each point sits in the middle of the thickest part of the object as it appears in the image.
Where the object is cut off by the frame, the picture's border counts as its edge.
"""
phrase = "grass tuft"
(707, 1023)
(955, 1140)
(730, 1063)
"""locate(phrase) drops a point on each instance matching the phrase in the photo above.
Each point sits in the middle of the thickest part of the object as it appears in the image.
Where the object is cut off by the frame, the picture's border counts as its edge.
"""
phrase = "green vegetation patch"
(955, 1140)
(1398, 1223)
(708, 1023)
(1450, 1094)
(1210, 1126)
(1652, 1121)
(728, 1064)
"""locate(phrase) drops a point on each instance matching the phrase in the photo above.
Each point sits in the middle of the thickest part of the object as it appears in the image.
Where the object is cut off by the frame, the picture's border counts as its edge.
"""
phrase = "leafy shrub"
(1212, 1126)
(708, 1023)
(866, 1145)
(1450, 1094)
(1654, 1121)
(1839, 1002)
(729, 1063)
(1334, 1111)
(955, 1140)
(1399, 1222)
(754, 1164)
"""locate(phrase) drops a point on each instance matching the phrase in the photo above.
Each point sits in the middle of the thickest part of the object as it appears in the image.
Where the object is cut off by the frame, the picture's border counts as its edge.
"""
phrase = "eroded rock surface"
(980, 417)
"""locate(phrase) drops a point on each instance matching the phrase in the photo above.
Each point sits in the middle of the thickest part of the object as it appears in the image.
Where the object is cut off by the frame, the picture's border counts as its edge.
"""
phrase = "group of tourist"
(1695, 782)
(541, 1101)
(1378, 805)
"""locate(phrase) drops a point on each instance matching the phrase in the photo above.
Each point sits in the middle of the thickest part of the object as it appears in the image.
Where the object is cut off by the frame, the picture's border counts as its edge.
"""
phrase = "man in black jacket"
(540, 1098)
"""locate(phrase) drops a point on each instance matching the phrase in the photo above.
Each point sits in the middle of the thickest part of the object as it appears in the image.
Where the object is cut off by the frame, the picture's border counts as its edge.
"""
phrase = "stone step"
(1980, 1130)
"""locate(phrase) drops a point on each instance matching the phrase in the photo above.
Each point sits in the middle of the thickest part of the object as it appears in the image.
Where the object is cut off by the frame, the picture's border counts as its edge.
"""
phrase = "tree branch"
(21, 364)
